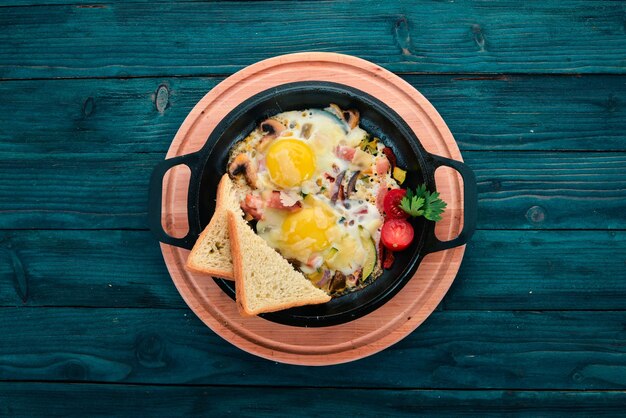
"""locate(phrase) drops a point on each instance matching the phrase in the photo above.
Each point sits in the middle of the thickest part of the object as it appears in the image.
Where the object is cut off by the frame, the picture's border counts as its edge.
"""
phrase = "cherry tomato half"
(396, 234)
(391, 204)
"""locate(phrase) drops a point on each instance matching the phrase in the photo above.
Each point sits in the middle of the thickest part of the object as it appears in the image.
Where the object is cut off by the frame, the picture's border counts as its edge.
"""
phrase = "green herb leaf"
(433, 206)
(412, 205)
(422, 202)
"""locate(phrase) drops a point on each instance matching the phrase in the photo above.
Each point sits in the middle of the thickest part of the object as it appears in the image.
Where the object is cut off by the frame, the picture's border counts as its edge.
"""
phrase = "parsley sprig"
(422, 202)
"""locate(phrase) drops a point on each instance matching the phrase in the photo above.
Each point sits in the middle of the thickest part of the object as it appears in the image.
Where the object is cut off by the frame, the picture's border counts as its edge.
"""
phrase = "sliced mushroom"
(242, 164)
(294, 262)
(272, 129)
(338, 282)
(306, 130)
(350, 116)
(350, 280)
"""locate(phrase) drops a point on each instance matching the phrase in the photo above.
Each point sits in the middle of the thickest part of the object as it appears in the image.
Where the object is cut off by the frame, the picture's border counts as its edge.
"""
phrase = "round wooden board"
(361, 337)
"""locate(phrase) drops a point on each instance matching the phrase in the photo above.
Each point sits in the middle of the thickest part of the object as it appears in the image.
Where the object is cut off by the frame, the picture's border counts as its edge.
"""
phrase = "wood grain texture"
(529, 190)
(91, 191)
(505, 350)
(542, 270)
(68, 116)
(66, 400)
(84, 268)
(206, 38)
(78, 154)
(484, 113)
(534, 270)
(575, 190)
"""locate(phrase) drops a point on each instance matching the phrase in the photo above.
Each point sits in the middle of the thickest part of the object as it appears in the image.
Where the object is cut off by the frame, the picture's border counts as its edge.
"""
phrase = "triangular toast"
(264, 280)
(211, 253)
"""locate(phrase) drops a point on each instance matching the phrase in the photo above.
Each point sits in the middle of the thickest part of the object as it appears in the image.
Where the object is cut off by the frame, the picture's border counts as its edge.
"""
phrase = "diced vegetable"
(388, 259)
(371, 258)
(399, 175)
(369, 144)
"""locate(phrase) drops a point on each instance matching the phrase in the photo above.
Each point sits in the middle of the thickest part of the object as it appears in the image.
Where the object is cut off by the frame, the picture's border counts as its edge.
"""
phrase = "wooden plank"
(546, 190)
(104, 115)
(530, 190)
(18, 399)
(542, 270)
(84, 268)
(501, 270)
(457, 349)
(531, 113)
(90, 191)
(498, 113)
(206, 38)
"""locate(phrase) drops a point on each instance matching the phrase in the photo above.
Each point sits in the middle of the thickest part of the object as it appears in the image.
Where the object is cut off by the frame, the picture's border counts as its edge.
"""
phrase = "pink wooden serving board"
(361, 337)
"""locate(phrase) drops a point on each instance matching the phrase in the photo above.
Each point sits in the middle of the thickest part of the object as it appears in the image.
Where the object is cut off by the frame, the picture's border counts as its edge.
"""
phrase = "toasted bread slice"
(211, 253)
(264, 280)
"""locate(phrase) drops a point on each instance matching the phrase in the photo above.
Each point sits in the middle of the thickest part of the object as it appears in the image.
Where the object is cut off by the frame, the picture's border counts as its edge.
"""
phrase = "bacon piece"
(345, 153)
(275, 202)
(382, 166)
(380, 197)
(253, 205)
(391, 157)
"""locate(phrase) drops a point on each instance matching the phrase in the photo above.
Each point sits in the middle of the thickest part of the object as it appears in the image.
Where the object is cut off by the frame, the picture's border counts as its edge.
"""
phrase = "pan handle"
(156, 196)
(470, 210)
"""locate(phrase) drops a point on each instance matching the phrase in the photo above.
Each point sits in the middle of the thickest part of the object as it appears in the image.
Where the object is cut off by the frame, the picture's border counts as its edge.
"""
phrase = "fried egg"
(322, 234)
(313, 179)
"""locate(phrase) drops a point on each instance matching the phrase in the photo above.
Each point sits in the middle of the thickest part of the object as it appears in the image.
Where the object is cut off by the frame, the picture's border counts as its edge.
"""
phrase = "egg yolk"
(290, 162)
(308, 229)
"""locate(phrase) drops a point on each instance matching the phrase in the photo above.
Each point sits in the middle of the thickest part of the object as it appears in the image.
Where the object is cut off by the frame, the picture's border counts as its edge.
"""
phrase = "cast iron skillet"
(209, 164)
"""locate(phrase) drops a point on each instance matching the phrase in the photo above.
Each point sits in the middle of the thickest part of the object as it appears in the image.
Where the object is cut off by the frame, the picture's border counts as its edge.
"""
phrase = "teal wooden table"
(535, 95)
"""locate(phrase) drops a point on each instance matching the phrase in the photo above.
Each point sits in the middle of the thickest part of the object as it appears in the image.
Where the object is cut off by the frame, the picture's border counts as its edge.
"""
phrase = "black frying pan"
(209, 164)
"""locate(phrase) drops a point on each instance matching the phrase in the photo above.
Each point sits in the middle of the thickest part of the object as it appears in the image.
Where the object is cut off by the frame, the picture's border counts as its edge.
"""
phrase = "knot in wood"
(611, 104)
(75, 370)
(150, 351)
(402, 37)
(19, 274)
(536, 214)
(162, 98)
(479, 37)
(89, 106)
